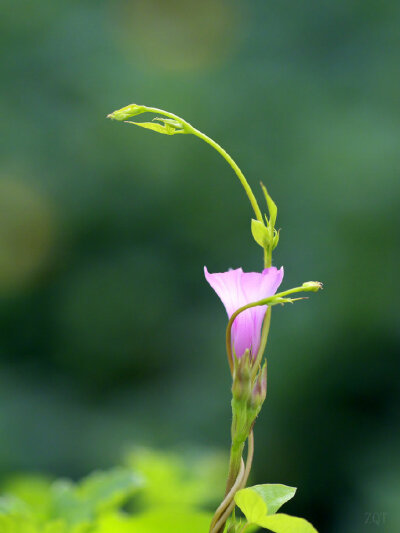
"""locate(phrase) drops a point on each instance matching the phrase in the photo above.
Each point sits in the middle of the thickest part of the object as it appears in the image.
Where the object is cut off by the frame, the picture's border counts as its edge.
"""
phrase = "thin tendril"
(227, 501)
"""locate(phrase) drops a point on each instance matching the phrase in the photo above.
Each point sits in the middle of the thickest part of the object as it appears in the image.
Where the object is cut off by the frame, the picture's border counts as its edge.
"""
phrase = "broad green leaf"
(17, 524)
(251, 504)
(57, 526)
(274, 495)
(260, 233)
(187, 479)
(236, 526)
(108, 490)
(171, 520)
(156, 521)
(99, 492)
(113, 523)
(34, 491)
(283, 523)
(167, 129)
(11, 505)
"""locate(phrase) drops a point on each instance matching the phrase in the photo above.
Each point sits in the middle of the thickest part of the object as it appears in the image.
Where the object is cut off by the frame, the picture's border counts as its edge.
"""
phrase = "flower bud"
(241, 386)
(127, 112)
(313, 286)
(259, 391)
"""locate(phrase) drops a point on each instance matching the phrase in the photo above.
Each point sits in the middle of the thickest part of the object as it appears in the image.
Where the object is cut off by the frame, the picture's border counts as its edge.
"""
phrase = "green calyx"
(248, 395)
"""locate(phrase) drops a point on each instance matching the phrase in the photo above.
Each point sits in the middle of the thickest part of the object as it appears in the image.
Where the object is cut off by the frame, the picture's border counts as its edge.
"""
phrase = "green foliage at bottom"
(260, 503)
(153, 493)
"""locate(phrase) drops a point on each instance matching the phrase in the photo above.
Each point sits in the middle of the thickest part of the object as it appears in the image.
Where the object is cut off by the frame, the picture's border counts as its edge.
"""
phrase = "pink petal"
(228, 287)
(236, 289)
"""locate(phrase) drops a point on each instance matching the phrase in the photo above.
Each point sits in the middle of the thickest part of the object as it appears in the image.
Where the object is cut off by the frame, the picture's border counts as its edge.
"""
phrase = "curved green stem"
(249, 461)
(222, 511)
(235, 168)
(263, 342)
(190, 129)
(271, 300)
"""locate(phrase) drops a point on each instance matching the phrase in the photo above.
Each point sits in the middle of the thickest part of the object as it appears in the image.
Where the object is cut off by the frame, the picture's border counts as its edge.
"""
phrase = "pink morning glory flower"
(236, 288)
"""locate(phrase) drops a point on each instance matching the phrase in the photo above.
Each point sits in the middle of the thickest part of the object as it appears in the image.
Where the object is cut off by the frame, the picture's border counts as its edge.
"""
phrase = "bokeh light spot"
(180, 35)
(26, 229)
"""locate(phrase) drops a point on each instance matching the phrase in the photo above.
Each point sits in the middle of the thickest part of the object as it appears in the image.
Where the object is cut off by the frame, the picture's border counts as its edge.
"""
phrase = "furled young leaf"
(251, 504)
(274, 495)
(170, 121)
(260, 233)
(283, 523)
(167, 129)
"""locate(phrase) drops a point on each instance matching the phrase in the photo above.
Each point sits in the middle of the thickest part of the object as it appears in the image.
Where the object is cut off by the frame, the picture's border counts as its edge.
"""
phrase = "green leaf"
(259, 500)
(99, 492)
(274, 495)
(34, 491)
(156, 521)
(187, 479)
(167, 129)
(11, 505)
(172, 122)
(251, 504)
(108, 490)
(17, 524)
(57, 526)
(283, 523)
(260, 233)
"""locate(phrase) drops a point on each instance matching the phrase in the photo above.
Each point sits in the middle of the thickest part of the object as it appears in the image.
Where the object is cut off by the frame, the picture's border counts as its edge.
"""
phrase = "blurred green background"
(109, 334)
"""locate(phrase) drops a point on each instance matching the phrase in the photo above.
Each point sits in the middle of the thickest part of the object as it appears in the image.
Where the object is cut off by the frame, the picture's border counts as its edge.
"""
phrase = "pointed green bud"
(273, 210)
(127, 112)
(260, 233)
(313, 286)
(259, 391)
(275, 239)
